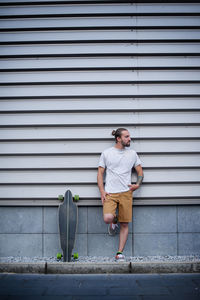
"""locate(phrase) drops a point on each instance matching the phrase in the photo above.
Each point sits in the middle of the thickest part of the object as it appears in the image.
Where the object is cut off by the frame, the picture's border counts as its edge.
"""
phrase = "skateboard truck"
(68, 216)
(59, 255)
(61, 198)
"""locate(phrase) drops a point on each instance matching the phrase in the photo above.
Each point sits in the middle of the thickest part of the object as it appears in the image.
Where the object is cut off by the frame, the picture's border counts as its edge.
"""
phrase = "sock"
(113, 226)
(119, 252)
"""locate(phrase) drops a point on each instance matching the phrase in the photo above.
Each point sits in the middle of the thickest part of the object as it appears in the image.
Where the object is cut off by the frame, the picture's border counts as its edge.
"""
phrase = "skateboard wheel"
(59, 255)
(76, 198)
(60, 197)
(75, 255)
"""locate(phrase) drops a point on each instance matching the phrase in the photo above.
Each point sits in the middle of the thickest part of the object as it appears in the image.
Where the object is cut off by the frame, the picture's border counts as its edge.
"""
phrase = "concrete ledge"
(165, 267)
(101, 268)
(88, 268)
(22, 267)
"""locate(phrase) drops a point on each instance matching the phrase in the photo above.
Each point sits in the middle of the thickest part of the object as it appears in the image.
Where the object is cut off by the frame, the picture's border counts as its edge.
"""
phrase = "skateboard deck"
(68, 217)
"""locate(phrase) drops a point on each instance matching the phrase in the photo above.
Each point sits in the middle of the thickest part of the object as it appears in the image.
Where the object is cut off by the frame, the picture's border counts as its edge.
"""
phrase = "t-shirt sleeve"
(137, 160)
(102, 162)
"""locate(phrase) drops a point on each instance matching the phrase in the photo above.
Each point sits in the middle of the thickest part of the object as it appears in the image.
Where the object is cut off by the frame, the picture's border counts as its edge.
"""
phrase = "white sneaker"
(112, 229)
(119, 257)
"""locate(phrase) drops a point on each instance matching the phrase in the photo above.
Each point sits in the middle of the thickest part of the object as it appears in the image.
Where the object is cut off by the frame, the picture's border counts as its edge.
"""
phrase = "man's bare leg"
(123, 235)
(108, 218)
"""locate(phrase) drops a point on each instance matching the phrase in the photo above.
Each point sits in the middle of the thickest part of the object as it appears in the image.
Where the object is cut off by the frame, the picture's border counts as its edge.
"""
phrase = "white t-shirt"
(118, 164)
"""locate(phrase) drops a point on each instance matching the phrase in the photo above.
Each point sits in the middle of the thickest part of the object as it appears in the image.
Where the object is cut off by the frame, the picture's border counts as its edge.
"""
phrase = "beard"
(125, 144)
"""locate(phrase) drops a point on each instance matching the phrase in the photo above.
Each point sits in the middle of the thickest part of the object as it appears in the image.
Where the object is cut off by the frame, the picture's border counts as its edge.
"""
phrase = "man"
(118, 162)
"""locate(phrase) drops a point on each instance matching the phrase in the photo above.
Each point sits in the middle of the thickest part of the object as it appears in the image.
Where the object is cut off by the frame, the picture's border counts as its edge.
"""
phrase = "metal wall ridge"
(92, 183)
(97, 125)
(128, 82)
(33, 169)
(96, 15)
(86, 55)
(88, 154)
(41, 154)
(66, 97)
(77, 69)
(96, 28)
(100, 111)
(44, 140)
(110, 41)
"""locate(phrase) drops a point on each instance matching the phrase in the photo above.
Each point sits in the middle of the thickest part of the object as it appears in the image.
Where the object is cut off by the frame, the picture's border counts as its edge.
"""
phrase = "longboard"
(68, 218)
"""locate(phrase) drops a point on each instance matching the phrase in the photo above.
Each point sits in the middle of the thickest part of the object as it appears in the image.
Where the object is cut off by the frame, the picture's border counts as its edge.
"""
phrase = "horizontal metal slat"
(77, 63)
(98, 9)
(104, 118)
(139, 132)
(111, 36)
(134, 90)
(165, 160)
(87, 105)
(90, 176)
(139, 76)
(92, 202)
(78, 147)
(91, 191)
(97, 23)
(95, 49)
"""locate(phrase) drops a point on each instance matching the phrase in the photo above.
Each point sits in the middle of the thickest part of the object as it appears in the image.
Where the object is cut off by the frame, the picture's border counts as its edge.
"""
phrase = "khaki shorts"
(124, 203)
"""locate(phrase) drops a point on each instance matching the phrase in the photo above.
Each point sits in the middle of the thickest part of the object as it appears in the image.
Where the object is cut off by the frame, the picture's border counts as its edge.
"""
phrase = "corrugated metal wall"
(71, 71)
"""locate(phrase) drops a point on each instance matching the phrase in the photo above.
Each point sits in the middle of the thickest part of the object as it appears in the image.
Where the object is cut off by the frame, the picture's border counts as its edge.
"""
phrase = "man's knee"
(123, 224)
(108, 218)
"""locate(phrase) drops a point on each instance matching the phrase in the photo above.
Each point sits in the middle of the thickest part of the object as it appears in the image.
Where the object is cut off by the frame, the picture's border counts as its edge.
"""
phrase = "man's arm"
(100, 173)
(140, 177)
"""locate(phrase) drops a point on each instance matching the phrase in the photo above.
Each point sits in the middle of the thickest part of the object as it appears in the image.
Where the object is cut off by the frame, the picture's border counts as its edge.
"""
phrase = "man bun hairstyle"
(118, 132)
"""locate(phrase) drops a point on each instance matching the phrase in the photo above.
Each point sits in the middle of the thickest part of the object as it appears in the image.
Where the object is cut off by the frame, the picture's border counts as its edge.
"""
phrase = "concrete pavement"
(100, 286)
